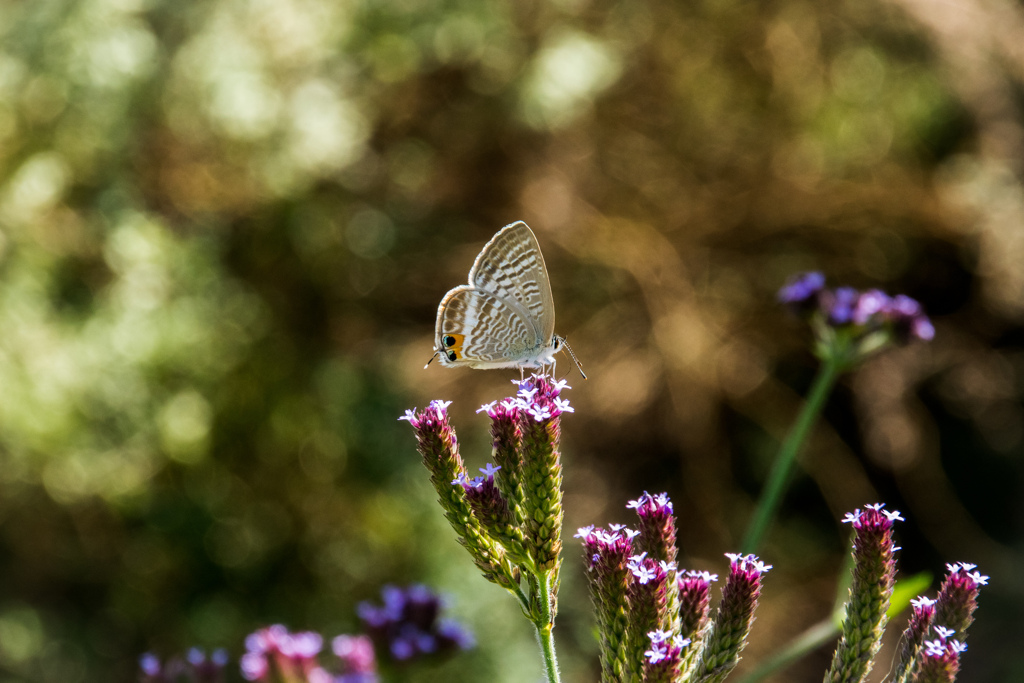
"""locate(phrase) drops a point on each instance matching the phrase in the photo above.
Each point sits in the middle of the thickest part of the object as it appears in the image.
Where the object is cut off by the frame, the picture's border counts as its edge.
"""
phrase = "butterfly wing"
(478, 329)
(511, 267)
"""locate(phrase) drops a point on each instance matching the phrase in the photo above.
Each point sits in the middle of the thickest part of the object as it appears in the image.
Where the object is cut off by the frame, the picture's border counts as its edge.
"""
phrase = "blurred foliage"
(225, 227)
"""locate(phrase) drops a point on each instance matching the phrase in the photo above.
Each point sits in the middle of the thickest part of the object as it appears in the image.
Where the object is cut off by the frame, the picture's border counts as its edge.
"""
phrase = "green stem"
(524, 600)
(545, 627)
(547, 646)
(779, 477)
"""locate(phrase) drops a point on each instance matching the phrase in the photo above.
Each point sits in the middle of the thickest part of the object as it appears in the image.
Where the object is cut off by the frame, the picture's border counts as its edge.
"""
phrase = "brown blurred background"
(225, 228)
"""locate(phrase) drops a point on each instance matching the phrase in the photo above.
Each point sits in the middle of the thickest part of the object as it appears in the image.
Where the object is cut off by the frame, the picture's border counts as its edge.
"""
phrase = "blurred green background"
(225, 227)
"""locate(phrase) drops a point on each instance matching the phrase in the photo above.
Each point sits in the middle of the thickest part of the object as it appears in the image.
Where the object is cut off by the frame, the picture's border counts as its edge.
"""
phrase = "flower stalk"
(733, 620)
(848, 326)
(874, 575)
(782, 469)
(509, 519)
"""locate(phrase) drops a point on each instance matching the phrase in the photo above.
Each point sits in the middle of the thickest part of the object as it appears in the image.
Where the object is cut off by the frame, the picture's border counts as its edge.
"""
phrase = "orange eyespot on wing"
(453, 341)
(452, 346)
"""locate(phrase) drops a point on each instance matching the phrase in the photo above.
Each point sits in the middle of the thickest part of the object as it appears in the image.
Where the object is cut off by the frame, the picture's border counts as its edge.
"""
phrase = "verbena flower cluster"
(408, 624)
(934, 638)
(655, 622)
(937, 633)
(275, 654)
(654, 619)
(509, 518)
(407, 627)
(850, 324)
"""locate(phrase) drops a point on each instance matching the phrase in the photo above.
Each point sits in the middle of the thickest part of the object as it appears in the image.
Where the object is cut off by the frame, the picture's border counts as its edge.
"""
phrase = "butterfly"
(505, 316)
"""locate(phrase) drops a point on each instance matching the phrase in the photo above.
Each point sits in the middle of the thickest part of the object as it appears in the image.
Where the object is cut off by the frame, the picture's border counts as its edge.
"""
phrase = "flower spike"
(735, 616)
(874, 575)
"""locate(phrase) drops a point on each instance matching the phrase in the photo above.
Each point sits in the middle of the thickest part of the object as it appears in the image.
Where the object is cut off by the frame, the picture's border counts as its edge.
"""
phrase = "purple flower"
(939, 661)
(647, 596)
(493, 510)
(562, 405)
(407, 626)
(439, 448)
(207, 669)
(921, 328)
(849, 324)
(908, 320)
(435, 410)
(254, 666)
(693, 589)
(664, 660)
(149, 664)
(903, 305)
(451, 631)
(656, 504)
(657, 538)
(526, 390)
(508, 409)
(659, 636)
(540, 412)
(802, 288)
(749, 565)
(643, 573)
(356, 654)
(870, 304)
(539, 396)
(838, 304)
(614, 543)
(606, 553)
(958, 598)
(292, 654)
(490, 470)
(152, 670)
(657, 653)
(970, 579)
(437, 441)
(735, 615)
(873, 516)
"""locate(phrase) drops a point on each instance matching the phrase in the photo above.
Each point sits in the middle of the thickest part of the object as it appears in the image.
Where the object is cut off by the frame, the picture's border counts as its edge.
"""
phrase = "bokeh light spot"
(21, 634)
(566, 75)
(185, 426)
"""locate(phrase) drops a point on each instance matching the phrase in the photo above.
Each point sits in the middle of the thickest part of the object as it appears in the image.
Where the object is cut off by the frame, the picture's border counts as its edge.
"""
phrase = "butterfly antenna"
(574, 358)
(431, 360)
